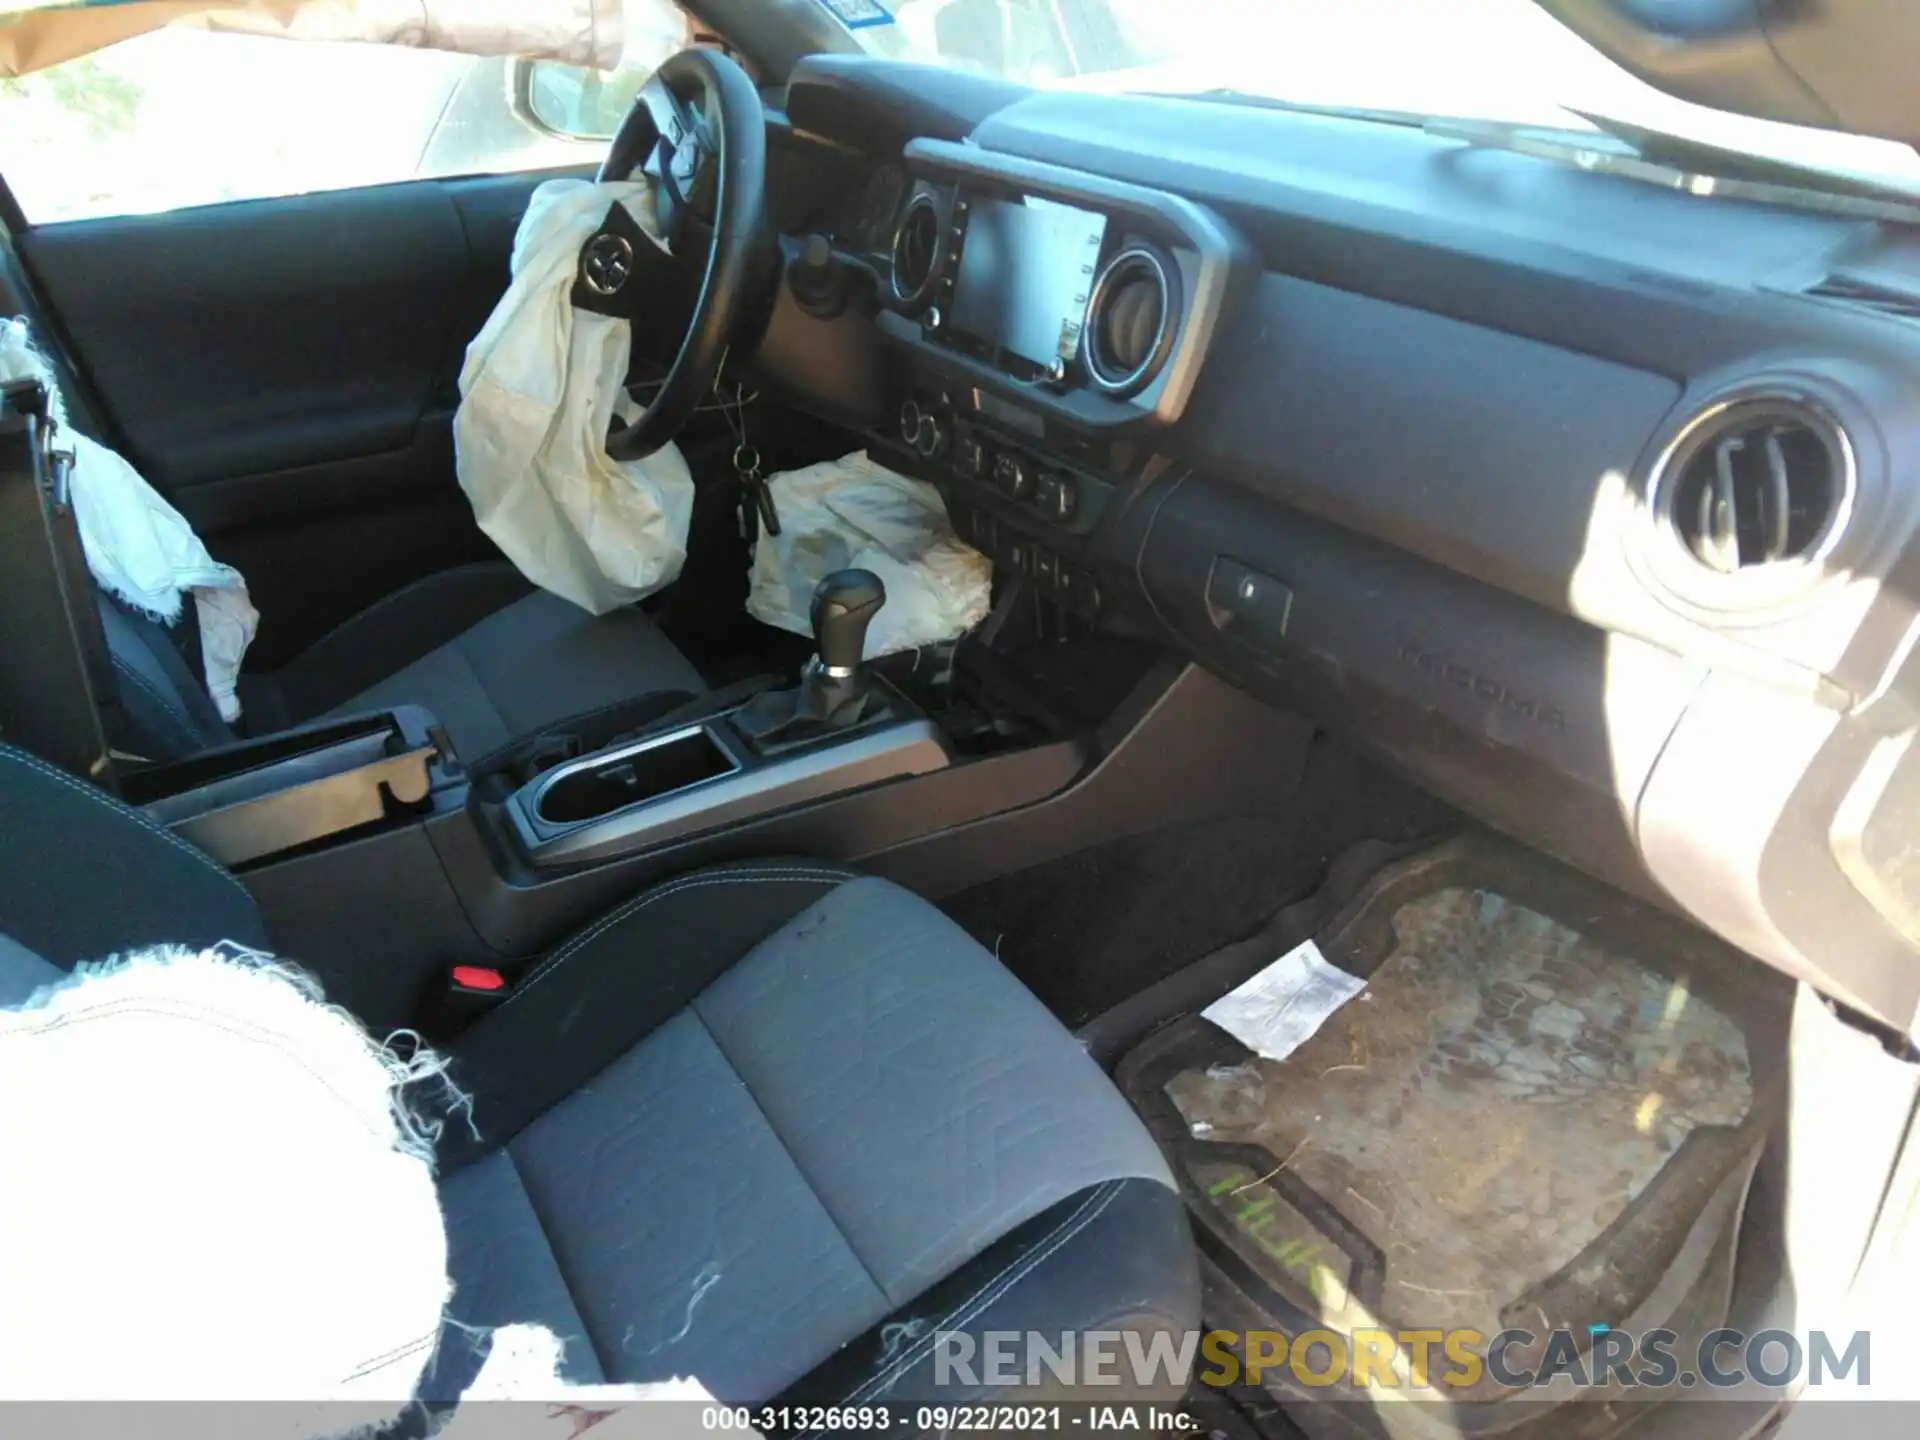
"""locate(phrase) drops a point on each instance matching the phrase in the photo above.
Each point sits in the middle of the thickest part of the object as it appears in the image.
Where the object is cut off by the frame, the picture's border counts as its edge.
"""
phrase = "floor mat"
(1518, 1123)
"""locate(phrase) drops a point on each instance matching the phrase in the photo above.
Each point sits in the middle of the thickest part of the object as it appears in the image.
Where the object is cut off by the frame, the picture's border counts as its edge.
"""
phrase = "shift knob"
(844, 604)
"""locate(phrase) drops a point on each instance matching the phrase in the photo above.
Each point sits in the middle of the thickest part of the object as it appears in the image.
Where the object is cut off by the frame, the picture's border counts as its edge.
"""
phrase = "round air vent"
(1755, 483)
(1130, 320)
(916, 250)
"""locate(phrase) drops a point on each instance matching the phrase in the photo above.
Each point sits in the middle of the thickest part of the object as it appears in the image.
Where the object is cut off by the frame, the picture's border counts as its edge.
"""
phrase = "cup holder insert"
(659, 767)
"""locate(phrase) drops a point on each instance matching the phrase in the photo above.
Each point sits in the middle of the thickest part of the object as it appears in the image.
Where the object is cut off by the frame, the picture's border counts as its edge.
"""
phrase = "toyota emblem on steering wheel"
(606, 263)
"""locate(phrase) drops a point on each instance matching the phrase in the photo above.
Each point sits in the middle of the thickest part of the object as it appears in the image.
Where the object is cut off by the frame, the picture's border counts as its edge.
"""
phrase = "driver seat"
(492, 658)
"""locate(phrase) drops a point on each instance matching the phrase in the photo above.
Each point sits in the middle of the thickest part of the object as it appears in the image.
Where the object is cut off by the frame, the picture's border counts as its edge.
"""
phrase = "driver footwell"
(1540, 1114)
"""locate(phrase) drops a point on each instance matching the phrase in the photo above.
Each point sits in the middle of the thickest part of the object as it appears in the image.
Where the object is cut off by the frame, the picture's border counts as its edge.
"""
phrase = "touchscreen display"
(1026, 269)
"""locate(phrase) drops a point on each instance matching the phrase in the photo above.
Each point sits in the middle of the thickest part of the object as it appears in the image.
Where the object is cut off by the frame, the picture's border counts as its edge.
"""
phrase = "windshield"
(1505, 60)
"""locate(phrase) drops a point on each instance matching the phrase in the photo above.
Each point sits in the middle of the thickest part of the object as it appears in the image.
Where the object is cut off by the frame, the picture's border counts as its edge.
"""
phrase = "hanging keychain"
(756, 496)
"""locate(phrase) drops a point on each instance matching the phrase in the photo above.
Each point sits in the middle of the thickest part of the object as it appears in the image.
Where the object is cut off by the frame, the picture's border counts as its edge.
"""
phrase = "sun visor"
(35, 34)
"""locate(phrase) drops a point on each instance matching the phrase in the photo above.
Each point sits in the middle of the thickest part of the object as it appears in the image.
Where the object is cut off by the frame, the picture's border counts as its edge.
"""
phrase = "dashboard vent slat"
(1754, 484)
(1776, 499)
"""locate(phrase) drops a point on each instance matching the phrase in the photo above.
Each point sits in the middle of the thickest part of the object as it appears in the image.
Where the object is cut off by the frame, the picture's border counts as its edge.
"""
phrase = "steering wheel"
(699, 128)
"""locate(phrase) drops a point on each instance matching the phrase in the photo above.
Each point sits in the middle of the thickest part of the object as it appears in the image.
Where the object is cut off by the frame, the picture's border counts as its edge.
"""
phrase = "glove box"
(261, 798)
(1543, 725)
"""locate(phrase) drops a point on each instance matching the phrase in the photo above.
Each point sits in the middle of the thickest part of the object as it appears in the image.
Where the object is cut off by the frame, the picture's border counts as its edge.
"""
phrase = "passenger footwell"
(1539, 1114)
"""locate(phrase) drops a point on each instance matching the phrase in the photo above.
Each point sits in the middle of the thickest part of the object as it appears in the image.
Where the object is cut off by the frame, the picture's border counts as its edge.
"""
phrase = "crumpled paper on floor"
(1278, 1010)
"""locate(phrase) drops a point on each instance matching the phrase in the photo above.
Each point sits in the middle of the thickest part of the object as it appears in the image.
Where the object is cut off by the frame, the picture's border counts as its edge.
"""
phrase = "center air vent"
(1754, 483)
(916, 250)
(1130, 320)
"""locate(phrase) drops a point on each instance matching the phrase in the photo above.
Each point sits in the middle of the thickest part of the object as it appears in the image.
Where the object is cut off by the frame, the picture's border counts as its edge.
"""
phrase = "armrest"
(260, 797)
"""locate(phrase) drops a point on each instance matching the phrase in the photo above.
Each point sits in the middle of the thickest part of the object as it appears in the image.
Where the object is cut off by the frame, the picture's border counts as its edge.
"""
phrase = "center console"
(382, 861)
(704, 775)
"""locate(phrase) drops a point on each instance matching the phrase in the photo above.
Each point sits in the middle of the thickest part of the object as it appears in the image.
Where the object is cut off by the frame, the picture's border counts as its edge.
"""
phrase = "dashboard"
(1589, 504)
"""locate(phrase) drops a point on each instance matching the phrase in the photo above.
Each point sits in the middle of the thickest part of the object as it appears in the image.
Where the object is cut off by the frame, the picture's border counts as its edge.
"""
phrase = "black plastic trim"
(1224, 263)
(13, 220)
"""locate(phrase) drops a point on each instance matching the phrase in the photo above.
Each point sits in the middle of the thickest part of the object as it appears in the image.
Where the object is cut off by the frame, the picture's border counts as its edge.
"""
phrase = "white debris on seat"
(852, 512)
(217, 1189)
(524, 1365)
(1279, 1009)
(139, 548)
(220, 1188)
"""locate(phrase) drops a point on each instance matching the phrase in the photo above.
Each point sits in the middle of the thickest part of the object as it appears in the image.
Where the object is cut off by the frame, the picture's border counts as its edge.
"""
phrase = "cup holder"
(646, 771)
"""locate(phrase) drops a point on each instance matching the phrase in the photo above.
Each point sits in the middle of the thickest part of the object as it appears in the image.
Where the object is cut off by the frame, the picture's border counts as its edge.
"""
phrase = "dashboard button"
(1066, 499)
(969, 459)
(1077, 590)
(1086, 596)
(1013, 477)
(1239, 598)
(1067, 585)
(1046, 568)
(1055, 496)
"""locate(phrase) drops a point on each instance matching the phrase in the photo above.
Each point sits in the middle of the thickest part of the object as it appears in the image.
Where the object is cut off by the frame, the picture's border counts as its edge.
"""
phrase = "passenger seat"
(773, 1125)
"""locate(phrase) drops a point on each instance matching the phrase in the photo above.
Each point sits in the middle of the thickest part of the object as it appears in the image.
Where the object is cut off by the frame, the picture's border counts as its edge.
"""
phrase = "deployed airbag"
(217, 1189)
(221, 1188)
(852, 512)
(140, 549)
(37, 33)
(541, 385)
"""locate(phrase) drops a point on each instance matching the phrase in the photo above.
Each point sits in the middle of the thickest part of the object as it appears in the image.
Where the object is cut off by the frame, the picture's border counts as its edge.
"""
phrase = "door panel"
(259, 336)
(286, 370)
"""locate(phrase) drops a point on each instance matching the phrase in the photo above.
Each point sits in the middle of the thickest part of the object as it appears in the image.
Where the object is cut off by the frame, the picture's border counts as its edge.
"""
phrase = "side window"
(183, 117)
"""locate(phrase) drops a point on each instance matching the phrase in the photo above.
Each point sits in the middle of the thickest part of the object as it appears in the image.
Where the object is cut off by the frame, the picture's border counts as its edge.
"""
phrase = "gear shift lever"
(844, 604)
(833, 689)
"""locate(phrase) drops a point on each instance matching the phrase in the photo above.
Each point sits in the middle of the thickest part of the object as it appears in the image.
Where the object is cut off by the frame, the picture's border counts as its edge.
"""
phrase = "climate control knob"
(911, 417)
(1013, 477)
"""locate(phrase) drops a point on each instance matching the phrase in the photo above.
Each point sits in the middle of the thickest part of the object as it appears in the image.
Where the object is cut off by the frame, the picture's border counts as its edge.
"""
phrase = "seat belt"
(55, 675)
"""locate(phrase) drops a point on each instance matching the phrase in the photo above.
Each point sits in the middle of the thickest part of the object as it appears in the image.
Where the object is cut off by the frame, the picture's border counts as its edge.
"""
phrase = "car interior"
(1495, 573)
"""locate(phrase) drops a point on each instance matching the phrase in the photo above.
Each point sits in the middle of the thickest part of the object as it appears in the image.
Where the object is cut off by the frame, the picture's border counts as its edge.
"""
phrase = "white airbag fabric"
(541, 384)
(220, 1188)
(38, 33)
(140, 549)
(852, 512)
(215, 1191)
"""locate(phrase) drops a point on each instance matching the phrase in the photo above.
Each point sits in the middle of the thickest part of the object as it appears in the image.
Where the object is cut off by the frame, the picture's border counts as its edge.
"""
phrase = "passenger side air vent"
(1755, 483)
(916, 250)
(1864, 294)
(1131, 316)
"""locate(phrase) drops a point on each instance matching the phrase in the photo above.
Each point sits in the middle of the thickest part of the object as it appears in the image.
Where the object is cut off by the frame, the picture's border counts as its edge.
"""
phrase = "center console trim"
(601, 759)
(890, 750)
(255, 799)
